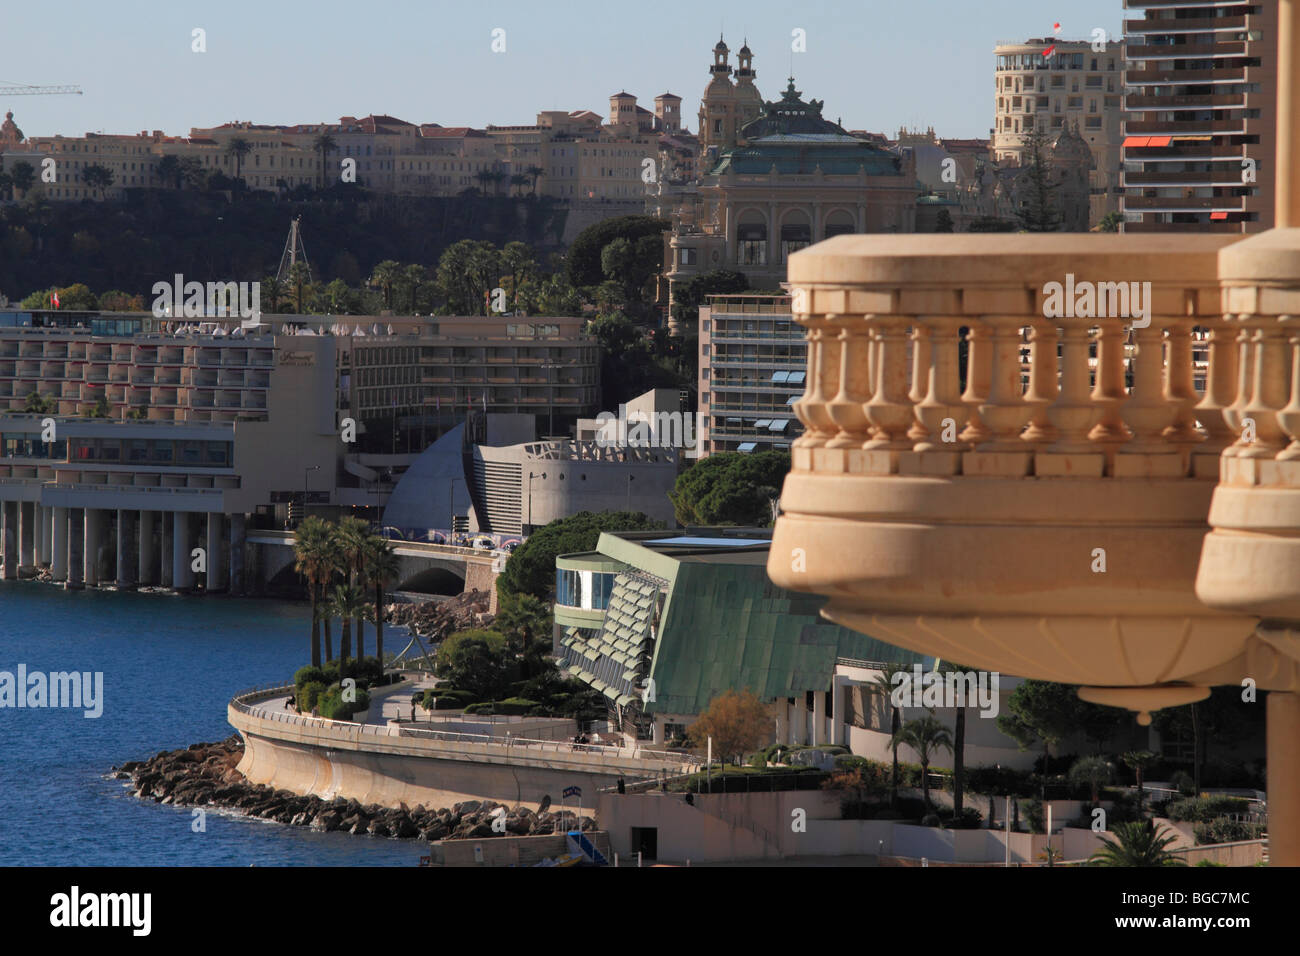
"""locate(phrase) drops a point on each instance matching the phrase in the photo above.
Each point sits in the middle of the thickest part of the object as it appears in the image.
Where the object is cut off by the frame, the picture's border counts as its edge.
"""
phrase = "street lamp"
(451, 508)
(305, 472)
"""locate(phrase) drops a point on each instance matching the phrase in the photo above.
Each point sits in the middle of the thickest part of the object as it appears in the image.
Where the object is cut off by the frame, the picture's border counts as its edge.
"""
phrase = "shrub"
(1225, 830)
(931, 820)
(309, 675)
(334, 707)
(758, 760)
(1182, 781)
(448, 698)
(308, 695)
(1210, 863)
(970, 819)
(1031, 812)
(1204, 809)
(514, 706)
(483, 707)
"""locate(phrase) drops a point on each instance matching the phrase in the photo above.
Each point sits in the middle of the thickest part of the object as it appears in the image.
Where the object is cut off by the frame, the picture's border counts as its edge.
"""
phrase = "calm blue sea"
(170, 664)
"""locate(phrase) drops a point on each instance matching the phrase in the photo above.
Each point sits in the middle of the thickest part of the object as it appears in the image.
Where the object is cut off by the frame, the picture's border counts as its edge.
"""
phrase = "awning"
(780, 377)
(1192, 139)
(778, 425)
(1130, 141)
(747, 446)
(1218, 215)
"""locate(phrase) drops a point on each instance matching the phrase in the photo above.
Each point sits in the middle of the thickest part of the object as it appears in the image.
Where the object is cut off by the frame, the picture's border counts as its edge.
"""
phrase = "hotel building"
(1076, 85)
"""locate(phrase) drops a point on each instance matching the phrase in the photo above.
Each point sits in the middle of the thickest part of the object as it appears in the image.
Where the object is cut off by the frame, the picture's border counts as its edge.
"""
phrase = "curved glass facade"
(588, 590)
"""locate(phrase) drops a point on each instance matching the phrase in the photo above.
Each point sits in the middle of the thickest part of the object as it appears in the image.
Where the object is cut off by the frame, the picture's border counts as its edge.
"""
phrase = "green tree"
(323, 146)
(1094, 772)
(531, 568)
(524, 620)
(414, 279)
(730, 488)
(314, 560)
(474, 661)
(467, 272)
(273, 290)
(238, 147)
(382, 568)
(169, 170)
(882, 688)
(520, 269)
(97, 177)
(348, 602)
(925, 735)
(1137, 844)
(584, 255)
(1038, 211)
(23, 175)
(688, 296)
(299, 283)
(351, 538)
(38, 404)
(385, 276)
(1110, 222)
(1040, 711)
(1139, 761)
(943, 221)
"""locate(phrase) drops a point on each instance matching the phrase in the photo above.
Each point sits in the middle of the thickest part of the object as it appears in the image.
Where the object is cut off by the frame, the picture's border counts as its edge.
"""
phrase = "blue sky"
(876, 63)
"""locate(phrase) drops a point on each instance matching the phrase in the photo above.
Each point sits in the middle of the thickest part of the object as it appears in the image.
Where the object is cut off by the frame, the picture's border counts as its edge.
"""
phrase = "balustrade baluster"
(823, 382)
(1043, 382)
(942, 397)
(1147, 413)
(1109, 392)
(1270, 392)
(1004, 410)
(1235, 412)
(846, 409)
(890, 408)
(1220, 391)
(978, 363)
(1289, 417)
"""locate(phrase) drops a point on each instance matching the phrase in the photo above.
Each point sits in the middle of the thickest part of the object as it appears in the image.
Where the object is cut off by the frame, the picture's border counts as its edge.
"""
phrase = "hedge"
(1205, 809)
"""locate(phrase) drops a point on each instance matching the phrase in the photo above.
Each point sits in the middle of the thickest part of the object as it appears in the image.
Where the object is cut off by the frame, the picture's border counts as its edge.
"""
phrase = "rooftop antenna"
(293, 251)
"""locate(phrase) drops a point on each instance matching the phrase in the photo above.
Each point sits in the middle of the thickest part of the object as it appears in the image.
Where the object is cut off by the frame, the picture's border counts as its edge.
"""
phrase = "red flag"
(56, 299)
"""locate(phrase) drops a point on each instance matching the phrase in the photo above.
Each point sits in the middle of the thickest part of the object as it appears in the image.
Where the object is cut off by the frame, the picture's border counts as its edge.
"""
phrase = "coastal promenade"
(391, 763)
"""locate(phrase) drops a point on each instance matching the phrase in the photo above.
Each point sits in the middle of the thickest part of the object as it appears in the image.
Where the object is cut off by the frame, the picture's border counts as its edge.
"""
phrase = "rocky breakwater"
(204, 775)
(438, 619)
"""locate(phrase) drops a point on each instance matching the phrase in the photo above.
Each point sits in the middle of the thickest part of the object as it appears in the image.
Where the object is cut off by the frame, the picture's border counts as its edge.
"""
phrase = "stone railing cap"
(1272, 256)
(1001, 258)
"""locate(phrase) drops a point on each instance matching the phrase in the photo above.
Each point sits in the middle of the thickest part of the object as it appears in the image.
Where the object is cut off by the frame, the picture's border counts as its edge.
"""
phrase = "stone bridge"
(425, 568)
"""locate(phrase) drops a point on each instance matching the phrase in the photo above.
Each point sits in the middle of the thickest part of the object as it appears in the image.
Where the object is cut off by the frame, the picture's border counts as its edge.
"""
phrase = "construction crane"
(25, 90)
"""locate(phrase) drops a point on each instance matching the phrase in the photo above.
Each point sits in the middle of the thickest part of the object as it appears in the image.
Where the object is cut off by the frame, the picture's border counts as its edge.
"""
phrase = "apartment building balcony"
(1114, 527)
(1185, 127)
(1219, 77)
(1183, 203)
(1173, 27)
(1185, 51)
(1146, 101)
(1203, 228)
(1225, 175)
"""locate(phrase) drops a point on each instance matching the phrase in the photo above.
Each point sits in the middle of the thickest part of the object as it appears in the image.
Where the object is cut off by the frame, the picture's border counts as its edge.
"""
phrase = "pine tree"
(1038, 211)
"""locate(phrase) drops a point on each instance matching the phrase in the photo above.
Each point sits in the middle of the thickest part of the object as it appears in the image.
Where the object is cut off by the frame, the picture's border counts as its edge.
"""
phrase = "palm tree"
(1137, 844)
(347, 602)
(414, 277)
(324, 145)
(193, 173)
(534, 173)
(517, 180)
(924, 735)
(1094, 772)
(485, 176)
(299, 279)
(169, 170)
(23, 175)
(313, 554)
(382, 566)
(385, 276)
(883, 688)
(97, 177)
(273, 290)
(1138, 761)
(958, 748)
(238, 148)
(350, 537)
(38, 404)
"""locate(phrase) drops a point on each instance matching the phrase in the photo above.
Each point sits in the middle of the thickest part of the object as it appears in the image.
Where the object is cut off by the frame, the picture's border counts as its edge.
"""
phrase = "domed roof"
(721, 47)
(9, 131)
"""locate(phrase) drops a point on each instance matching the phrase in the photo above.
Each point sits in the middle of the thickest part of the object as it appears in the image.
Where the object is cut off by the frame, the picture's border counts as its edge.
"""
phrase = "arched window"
(796, 233)
(839, 223)
(751, 239)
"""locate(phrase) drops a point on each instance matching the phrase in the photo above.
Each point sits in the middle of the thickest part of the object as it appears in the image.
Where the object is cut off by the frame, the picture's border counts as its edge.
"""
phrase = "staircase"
(579, 845)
